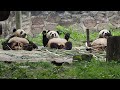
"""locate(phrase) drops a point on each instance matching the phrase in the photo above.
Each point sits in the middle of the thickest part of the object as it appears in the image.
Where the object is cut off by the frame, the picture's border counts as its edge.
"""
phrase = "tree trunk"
(113, 48)
(18, 19)
(1, 31)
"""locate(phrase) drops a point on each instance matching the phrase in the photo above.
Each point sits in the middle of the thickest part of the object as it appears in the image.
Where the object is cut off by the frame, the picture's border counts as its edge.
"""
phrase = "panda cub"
(52, 39)
(18, 41)
(101, 42)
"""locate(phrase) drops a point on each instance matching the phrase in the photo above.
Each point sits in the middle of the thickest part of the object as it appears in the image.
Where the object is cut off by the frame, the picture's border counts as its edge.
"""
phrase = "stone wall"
(78, 20)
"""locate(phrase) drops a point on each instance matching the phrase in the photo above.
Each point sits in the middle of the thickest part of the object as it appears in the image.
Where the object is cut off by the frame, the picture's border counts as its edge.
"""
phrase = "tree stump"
(113, 48)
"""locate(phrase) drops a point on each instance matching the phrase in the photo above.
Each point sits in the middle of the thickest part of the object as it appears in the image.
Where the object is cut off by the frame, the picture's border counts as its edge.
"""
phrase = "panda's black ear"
(58, 32)
(14, 29)
(44, 32)
(48, 31)
(110, 32)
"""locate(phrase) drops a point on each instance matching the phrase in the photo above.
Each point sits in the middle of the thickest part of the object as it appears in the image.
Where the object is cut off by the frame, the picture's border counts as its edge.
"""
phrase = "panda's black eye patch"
(103, 32)
(50, 33)
(21, 32)
(55, 34)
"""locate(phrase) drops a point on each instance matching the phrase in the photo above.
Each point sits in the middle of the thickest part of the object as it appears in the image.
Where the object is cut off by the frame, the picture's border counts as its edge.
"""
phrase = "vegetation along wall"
(35, 22)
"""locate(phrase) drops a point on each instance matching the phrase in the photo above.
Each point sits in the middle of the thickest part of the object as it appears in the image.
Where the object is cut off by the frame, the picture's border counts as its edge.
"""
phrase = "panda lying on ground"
(52, 39)
(101, 42)
(18, 41)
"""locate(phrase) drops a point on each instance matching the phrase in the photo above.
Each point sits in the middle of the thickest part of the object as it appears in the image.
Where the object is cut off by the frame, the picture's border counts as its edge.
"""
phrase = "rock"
(115, 20)
(93, 13)
(101, 17)
(110, 13)
(57, 63)
(86, 57)
(50, 26)
(102, 26)
(53, 18)
(74, 12)
(67, 22)
(37, 29)
(90, 22)
(37, 20)
(76, 27)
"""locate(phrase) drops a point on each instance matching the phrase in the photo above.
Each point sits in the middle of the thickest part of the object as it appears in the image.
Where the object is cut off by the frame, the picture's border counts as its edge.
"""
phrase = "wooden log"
(113, 48)
(88, 37)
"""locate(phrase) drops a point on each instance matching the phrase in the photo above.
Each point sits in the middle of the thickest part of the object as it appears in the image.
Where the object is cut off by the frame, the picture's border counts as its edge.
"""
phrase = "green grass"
(45, 70)
(77, 70)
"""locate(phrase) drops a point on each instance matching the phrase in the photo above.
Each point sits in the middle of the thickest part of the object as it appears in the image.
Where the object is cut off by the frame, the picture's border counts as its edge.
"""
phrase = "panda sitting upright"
(18, 41)
(52, 39)
(101, 42)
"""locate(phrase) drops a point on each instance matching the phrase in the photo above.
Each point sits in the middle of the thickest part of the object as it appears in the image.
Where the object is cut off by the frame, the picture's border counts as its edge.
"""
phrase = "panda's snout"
(108, 34)
(52, 35)
(24, 35)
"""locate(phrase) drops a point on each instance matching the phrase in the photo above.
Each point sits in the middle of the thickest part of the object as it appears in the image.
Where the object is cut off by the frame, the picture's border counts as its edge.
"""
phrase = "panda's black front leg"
(6, 45)
(67, 36)
(33, 45)
(44, 39)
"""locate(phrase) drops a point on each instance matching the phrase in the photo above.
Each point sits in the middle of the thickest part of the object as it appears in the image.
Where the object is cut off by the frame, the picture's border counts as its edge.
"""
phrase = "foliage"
(45, 70)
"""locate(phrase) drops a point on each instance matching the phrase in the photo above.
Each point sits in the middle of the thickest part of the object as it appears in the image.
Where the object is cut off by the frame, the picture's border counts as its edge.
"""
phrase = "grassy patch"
(45, 70)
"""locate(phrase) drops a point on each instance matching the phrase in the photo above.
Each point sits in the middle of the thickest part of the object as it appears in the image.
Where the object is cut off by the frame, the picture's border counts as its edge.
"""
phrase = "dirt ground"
(45, 54)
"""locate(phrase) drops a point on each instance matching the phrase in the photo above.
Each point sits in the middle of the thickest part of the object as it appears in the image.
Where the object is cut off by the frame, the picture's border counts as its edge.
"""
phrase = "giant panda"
(18, 41)
(47, 35)
(52, 39)
(100, 43)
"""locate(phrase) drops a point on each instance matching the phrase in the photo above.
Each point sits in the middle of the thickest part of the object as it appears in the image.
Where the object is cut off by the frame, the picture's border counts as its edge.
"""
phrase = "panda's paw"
(68, 45)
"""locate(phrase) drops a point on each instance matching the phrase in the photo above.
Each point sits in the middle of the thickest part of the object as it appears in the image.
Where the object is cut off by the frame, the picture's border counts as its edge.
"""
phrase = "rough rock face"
(38, 21)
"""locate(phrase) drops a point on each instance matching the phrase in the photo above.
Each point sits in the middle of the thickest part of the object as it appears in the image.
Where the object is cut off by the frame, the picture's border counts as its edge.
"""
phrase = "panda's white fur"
(100, 41)
(104, 33)
(52, 34)
(98, 44)
(17, 43)
(19, 33)
(59, 41)
(18, 39)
